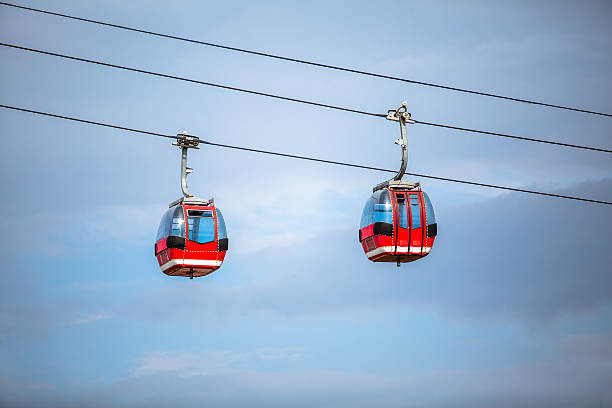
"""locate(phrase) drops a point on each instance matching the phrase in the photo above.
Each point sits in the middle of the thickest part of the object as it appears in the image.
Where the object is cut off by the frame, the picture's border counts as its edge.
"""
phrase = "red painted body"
(195, 259)
(407, 239)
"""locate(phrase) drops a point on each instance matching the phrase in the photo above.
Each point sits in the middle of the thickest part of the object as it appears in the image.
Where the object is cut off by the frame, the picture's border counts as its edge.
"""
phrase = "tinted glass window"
(172, 223)
(221, 225)
(177, 222)
(430, 216)
(383, 210)
(383, 213)
(401, 211)
(161, 231)
(383, 197)
(201, 226)
(377, 209)
(415, 209)
(366, 216)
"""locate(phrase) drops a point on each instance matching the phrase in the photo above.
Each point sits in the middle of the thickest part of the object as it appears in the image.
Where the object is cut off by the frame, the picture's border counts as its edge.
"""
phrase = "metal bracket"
(193, 201)
(185, 142)
(397, 184)
(399, 113)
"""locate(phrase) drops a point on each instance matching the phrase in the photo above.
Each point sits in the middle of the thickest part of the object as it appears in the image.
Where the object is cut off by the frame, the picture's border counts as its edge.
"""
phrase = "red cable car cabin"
(398, 224)
(201, 248)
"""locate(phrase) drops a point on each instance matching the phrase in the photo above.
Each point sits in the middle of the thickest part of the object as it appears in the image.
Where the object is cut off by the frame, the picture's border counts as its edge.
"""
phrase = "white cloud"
(207, 378)
(531, 288)
(285, 210)
(187, 364)
(92, 318)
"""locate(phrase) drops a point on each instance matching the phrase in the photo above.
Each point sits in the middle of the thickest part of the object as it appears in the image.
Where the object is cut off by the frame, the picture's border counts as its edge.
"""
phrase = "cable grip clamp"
(186, 141)
(400, 113)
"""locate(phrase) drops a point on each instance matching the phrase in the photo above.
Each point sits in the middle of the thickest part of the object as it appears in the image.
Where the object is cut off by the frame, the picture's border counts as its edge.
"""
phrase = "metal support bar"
(184, 172)
(402, 116)
(185, 142)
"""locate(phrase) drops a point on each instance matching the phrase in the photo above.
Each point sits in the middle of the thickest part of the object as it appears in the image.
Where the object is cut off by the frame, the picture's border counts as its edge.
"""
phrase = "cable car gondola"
(398, 223)
(192, 238)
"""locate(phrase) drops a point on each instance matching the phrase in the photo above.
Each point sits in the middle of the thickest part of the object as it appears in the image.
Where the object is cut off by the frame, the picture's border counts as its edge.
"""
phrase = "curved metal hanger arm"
(185, 142)
(402, 116)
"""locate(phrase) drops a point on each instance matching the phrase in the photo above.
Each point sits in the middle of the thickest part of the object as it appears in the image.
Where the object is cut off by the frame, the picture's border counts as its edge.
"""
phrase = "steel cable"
(300, 61)
(90, 122)
(286, 98)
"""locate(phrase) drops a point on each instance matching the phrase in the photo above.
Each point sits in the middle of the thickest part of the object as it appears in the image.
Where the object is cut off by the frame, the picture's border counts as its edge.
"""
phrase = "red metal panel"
(367, 231)
(401, 235)
(416, 234)
(161, 245)
(383, 240)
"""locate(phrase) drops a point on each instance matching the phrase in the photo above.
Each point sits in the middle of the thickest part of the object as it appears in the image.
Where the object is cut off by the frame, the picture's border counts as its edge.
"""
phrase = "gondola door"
(417, 230)
(401, 233)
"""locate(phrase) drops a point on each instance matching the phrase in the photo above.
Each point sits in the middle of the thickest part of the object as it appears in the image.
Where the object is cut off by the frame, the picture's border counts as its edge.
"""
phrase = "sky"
(513, 307)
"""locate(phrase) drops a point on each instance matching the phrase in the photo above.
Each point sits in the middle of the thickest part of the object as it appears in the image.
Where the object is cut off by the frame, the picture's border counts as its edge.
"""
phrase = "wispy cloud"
(531, 287)
(92, 318)
(562, 381)
(209, 362)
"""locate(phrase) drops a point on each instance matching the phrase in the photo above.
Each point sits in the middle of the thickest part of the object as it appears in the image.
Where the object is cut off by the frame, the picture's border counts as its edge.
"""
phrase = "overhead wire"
(269, 95)
(194, 81)
(529, 139)
(97, 123)
(313, 63)
(90, 122)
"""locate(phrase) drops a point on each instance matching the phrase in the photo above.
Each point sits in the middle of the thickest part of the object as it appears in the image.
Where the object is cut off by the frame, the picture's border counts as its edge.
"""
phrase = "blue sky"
(512, 308)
